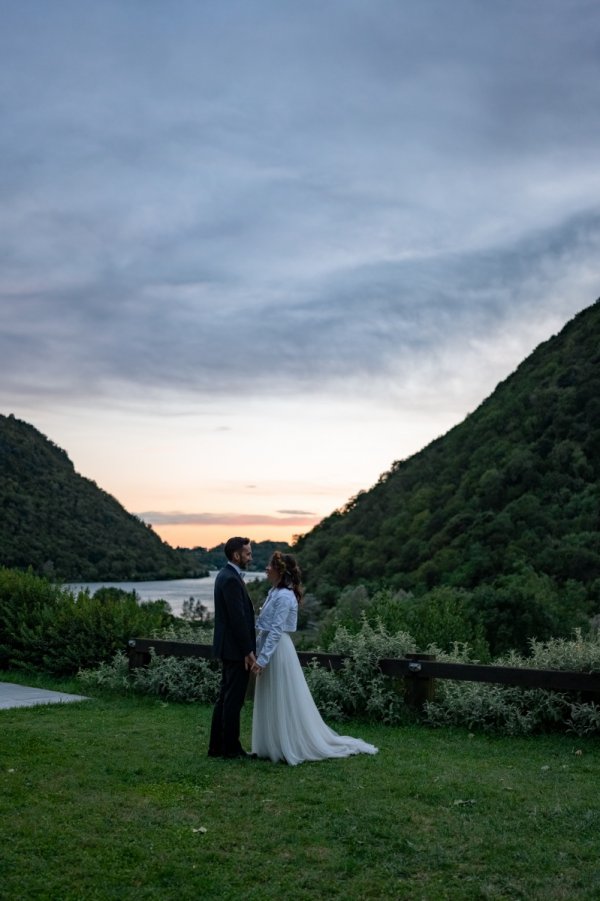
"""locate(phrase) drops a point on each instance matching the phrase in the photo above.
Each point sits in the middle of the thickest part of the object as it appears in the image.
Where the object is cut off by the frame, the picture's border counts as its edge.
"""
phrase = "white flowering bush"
(359, 688)
(577, 653)
(181, 631)
(327, 690)
(494, 708)
(179, 678)
(584, 719)
(114, 676)
(183, 679)
(513, 710)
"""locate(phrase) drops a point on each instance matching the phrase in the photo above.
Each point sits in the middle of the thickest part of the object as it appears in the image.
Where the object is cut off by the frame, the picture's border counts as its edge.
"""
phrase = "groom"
(234, 643)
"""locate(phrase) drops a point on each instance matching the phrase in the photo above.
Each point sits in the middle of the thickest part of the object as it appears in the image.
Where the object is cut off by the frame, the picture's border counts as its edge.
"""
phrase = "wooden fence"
(419, 670)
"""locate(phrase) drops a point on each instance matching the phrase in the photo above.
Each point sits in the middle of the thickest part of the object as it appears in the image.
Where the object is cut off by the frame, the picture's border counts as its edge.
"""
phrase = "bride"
(286, 724)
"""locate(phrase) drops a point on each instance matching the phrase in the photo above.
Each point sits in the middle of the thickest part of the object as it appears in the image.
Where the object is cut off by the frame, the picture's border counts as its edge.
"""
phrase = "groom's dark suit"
(234, 639)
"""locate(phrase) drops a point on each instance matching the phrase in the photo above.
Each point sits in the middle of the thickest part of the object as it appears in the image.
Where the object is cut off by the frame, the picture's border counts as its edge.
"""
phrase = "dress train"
(286, 724)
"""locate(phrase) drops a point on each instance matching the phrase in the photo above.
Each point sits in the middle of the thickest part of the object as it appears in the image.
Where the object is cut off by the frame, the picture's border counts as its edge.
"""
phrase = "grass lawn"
(115, 798)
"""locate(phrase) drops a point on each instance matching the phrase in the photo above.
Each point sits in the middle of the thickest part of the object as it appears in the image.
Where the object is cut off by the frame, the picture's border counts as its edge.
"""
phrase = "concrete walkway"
(22, 696)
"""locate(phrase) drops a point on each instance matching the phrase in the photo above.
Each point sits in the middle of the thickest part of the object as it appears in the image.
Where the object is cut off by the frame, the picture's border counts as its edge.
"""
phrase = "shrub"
(27, 603)
(185, 679)
(575, 653)
(359, 688)
(584, 719)
(442, 616)
(179, 679)
(497, 708)
(346, 614)
(184, 631)
(47, 627)
(518, 711)
(114, 675)
(445, 616)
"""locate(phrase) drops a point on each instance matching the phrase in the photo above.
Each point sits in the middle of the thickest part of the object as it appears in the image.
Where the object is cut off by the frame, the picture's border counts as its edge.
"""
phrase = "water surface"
(173, 591)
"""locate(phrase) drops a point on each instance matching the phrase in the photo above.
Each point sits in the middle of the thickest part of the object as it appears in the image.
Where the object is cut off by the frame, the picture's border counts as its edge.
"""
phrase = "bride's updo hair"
(287, 569)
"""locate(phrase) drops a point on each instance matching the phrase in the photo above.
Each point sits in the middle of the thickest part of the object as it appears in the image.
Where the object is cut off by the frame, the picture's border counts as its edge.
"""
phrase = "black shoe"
(214, 754)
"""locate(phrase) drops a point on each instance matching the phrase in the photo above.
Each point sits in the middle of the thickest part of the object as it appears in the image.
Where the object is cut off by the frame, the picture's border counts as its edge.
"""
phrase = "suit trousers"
(225, 726)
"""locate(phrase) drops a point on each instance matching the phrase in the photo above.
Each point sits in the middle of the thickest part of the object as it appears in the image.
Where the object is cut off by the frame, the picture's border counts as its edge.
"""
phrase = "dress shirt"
(239, 571)
(279, 614)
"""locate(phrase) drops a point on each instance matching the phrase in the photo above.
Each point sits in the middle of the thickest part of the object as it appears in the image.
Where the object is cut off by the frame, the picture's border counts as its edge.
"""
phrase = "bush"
(442, 616)
(185, 679)
(497, 708)
(179, 679)
(359, 688)
(47, 627)
(445, 616)
(519, 711)
(114, 675)
(346, 614)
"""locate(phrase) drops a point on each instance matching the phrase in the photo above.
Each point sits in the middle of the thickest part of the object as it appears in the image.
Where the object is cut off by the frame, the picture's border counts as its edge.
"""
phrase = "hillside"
(513, 489)
(62, 524)
(214, 558)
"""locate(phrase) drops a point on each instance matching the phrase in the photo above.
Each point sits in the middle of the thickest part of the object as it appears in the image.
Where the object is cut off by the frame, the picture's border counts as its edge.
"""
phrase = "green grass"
(108, 799)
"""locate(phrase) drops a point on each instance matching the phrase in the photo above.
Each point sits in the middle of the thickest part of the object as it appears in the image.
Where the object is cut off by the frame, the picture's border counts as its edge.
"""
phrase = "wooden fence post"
(136, 657)
(419, 688)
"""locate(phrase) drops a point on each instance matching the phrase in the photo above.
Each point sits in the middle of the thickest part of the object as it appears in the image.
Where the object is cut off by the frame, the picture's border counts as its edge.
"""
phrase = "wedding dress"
(286, 724)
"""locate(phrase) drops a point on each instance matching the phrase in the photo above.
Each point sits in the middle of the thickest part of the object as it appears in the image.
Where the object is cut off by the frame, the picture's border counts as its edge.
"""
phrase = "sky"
(252, 252)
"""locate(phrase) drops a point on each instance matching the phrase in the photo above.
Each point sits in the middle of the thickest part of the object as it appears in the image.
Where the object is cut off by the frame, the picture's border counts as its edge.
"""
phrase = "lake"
(173, 591)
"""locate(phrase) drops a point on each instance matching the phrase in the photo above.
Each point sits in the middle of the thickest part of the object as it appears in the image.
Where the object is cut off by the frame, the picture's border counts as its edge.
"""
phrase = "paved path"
(22, 696)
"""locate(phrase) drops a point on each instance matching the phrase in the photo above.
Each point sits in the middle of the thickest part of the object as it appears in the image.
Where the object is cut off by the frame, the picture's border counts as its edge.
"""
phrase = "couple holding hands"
(286, 725)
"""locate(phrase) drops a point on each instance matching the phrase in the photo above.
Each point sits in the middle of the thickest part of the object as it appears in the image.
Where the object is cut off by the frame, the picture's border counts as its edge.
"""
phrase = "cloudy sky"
(253, 252)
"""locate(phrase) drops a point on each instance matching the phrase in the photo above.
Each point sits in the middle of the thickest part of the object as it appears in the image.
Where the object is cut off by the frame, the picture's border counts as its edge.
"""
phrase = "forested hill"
(62, 524)
(513, 489)
(214, 558)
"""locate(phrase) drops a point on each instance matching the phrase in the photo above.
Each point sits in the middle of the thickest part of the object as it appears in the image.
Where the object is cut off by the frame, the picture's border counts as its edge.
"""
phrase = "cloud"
(379, 321)
(302, 200)
(159, 518)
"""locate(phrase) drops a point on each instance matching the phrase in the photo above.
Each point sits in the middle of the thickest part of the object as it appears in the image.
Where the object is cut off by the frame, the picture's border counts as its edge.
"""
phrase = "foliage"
(257, 589)
(179, 630)
(185, 679)
(443, 616)
(503, 507)
(359, 688)
(194, 611)
(214, 558)
(113, 676)
(347, 614)
(45, 627)
(520, 711)
(577, 653)
(509, 710)
(179, 679)
(64, 526)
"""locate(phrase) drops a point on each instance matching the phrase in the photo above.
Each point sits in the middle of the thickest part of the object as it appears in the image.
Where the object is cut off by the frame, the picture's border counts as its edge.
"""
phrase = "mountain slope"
(516, 485)
(62, 524)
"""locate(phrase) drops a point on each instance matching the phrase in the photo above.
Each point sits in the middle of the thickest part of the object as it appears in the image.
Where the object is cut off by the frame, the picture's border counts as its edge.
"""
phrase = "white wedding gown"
(286, 724)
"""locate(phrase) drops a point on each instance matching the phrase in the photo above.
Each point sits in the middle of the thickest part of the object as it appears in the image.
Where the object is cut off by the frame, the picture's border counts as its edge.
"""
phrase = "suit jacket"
(234, 636)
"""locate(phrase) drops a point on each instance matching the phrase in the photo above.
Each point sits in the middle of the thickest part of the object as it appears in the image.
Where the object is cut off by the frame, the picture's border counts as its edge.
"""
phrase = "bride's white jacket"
(278, 614)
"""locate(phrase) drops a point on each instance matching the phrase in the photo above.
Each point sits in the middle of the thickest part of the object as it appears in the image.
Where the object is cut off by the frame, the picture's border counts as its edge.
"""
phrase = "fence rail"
(419, 670)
